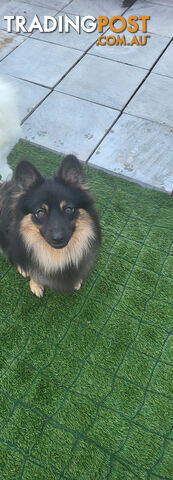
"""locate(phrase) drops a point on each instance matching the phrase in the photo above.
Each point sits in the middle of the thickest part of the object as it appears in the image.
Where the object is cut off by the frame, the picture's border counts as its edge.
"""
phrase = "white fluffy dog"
(9, 125)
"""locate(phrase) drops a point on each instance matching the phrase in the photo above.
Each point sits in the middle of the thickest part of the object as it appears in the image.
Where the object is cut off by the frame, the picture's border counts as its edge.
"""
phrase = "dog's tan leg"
(78, 285)
(36, 288)
(22, 272)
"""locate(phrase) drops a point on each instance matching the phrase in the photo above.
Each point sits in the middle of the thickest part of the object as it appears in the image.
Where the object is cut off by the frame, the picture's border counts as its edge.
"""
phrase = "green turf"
(86, 379)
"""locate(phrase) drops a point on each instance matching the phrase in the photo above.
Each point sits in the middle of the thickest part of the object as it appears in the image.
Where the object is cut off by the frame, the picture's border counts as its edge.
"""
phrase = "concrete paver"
(40, 62)
(68, 125)
(102, 81)
(152, 101)
(140, 150)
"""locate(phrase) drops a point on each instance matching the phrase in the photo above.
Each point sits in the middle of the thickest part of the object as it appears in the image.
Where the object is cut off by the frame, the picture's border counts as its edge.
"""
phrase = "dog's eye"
(68, 210)
(40, 213)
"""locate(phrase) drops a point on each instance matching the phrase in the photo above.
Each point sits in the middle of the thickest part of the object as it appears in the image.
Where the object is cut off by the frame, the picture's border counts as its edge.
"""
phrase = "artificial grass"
(86, 379)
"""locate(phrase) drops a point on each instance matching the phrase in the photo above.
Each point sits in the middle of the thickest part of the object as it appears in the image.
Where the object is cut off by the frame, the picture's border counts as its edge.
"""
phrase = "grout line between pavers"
(122, 111)
(58, 44)
(162, 75)
(118, 61)
(148, 119)
(116, 109)
(38, 104)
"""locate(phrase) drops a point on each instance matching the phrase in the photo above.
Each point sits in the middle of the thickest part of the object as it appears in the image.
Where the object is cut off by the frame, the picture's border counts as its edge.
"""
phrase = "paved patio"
(110, 105)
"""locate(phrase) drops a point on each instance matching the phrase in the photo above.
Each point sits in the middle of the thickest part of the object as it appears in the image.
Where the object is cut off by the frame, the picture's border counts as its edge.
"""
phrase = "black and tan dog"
(49, 227)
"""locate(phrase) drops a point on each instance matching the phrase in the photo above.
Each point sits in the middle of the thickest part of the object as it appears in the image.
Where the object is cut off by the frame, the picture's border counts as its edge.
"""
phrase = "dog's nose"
(58, 237)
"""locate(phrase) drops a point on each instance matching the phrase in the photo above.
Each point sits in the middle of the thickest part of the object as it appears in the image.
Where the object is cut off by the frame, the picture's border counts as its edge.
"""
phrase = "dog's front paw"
(36, 288)
(78, 285)
(22, 272)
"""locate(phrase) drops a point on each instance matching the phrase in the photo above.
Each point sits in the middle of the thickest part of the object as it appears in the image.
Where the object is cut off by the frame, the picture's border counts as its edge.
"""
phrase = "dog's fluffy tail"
(9, 124)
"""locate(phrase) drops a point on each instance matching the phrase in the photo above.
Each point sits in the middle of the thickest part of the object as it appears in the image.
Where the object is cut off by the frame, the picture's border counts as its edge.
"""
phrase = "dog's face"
(53, 211)
(53, 207)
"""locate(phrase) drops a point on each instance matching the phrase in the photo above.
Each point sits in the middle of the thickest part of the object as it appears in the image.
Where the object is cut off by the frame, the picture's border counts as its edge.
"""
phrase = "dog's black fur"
(49, 227)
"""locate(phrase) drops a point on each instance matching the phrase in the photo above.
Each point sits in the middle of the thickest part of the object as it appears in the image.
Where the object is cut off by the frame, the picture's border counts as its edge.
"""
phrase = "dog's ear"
(26, 174)
(71, 171)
